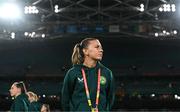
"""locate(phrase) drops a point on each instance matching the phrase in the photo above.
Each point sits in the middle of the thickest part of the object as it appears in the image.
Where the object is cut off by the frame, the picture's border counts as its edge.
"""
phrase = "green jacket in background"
(20, 103)
(73, 92)
(35, 106)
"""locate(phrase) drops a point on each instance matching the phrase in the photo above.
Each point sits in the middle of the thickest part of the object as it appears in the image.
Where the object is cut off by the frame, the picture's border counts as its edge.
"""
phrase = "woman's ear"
(19, 90)
(85, 51)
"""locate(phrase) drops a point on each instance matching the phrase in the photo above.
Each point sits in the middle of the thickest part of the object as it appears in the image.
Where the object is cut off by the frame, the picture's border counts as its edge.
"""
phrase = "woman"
(18, 91)
(88, 85)
(34, 106)
(45, 108)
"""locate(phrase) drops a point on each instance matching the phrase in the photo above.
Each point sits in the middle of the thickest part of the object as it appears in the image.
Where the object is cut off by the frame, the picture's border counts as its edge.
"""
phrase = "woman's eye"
(97, 46)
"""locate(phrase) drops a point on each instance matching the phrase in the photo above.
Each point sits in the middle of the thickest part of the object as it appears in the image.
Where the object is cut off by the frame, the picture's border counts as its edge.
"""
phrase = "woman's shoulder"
(73, 71)
(22, 96)
(75, 68)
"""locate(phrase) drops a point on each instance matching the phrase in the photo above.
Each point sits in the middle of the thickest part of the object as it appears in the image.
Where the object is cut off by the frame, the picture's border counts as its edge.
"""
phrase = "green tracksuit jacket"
(20, 103)
(73, 92)
(35, 106)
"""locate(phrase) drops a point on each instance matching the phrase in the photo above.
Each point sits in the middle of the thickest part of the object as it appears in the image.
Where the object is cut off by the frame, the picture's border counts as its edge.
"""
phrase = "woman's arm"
(66, 92)
(111, 92)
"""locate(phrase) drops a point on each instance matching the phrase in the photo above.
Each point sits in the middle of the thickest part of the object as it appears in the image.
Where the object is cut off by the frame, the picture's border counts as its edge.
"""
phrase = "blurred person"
(20, 103)
(88, 85)
(35, 105)
(45, 108)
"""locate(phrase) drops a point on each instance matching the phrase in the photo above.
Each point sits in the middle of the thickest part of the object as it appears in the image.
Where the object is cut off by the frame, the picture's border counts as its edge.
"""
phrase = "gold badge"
(103, 80)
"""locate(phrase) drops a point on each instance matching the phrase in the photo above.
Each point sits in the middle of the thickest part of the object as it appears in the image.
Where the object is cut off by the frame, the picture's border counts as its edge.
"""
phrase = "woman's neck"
(89, 63)
(17, 94)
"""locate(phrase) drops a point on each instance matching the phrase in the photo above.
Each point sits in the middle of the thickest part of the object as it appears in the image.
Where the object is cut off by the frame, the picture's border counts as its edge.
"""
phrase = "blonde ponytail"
(77, 56)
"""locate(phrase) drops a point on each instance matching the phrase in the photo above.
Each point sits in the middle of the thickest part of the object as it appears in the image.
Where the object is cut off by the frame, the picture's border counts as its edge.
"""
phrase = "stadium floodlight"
(153, 95)
(43, 95)
(175, 32)
(141, 7)
(26, 9)
(56, 10)
(26, 33)
(173, 7)
(33, 34)
(160, 9)
(156, 34)
(29, 35)
(10, 11)
(164, 31)
(56, 6)
(177, 97)
(43, 35)
(13, 35)
(31, 10)
(168, 8)
(167, 33)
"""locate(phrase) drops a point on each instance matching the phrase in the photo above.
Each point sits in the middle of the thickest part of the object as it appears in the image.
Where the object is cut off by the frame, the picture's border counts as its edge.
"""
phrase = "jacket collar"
(98, 65)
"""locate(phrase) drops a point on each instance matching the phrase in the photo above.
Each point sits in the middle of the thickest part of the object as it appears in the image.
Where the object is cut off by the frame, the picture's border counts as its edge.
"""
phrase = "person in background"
(18, 92)
(34, 106)
(45, 108)
(88, 85)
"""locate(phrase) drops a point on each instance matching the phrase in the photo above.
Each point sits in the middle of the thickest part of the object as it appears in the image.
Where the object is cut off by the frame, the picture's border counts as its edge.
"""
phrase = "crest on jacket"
(103, 80)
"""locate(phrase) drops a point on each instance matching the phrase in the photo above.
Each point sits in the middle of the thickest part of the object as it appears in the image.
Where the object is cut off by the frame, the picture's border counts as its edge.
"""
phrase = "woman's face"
(44, 109)
(94, 50)
(30, 98)
(14, 90)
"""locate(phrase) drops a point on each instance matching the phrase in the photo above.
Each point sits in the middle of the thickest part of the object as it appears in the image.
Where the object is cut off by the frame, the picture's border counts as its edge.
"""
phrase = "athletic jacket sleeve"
(66, 92)
(111, 92)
